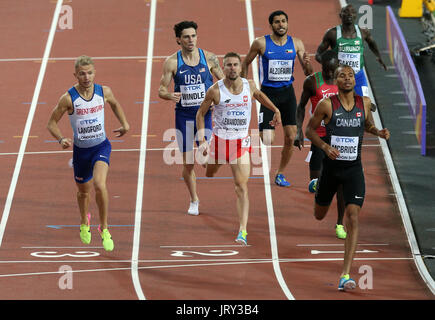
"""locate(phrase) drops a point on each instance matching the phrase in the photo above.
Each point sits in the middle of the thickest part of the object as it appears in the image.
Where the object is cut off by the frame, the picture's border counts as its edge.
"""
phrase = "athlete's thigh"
(267, 136)
(241, 169)
(101, 169)
(326, 185)
(354, 186)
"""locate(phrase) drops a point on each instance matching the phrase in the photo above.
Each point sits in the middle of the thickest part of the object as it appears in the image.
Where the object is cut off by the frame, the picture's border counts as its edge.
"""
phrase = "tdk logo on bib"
(88, 121)
(235, 113)
(345, 140)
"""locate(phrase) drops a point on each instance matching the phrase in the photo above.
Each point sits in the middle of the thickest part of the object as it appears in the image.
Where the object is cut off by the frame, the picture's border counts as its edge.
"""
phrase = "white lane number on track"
(55, 254)
(212, 253)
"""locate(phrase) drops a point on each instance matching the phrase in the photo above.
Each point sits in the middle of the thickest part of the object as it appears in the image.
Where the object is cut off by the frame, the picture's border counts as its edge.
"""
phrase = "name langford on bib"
(89, 129)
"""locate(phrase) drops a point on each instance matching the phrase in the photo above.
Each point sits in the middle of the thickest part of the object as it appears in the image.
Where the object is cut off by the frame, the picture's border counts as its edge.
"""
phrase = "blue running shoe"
(312, 186)
(346, 283)
(281, 181)
(241, 237)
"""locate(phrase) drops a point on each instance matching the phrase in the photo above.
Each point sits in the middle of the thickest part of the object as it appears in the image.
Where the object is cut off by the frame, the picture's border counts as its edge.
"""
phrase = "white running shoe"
(193, 208)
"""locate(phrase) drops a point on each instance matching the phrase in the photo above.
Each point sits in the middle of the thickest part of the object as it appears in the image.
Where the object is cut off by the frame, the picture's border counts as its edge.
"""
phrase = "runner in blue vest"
(191, 69)
(278, 52)
(84, 103)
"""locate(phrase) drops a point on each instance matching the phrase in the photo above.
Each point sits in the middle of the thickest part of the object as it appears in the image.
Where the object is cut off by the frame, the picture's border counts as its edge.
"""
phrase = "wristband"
(60, 140)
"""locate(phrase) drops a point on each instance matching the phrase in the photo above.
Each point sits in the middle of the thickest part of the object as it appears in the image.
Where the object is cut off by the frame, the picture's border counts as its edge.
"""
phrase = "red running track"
(179, 256)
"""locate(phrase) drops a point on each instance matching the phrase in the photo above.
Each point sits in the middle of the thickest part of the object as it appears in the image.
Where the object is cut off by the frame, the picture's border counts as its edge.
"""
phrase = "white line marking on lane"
(267, 191)
(142, 158)
(29, 121)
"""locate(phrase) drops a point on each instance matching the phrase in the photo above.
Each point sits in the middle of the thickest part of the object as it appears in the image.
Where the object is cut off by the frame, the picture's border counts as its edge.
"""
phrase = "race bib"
(246, 142)
(192, 95)
(350, 59)
(347, 146)
(235, 120)
(280, 70)
(88, 129)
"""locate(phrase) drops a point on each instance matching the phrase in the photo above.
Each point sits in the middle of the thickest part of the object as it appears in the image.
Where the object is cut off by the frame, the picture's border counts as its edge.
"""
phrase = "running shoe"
(193, 208)
(85, 231)
(339, 231)
(312, 186)
(281, 181)
(241, 237)
(346, 283)
(107, 239)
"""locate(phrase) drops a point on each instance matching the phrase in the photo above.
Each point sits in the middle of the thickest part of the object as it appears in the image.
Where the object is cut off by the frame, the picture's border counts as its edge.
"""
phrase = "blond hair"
(83, 61)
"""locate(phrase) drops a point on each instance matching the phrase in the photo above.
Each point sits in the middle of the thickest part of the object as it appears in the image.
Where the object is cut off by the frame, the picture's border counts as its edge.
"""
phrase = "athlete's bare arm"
(212, 96)
(303, 57)
(117, 110)
(257, 48)
(373, 46)
(308, 91)
(328, 41)
(323, 111)
(265, 101)
(169, 70)
(64, 105)
(214, 65)
(369, 123)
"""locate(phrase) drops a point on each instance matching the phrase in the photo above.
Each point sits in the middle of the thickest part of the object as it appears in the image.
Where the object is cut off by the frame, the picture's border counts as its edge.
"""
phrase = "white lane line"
(129, 150)
(205, 263)
(93, 58)
(142, 158)
(137, 150)
(267, 191)
(29, 121)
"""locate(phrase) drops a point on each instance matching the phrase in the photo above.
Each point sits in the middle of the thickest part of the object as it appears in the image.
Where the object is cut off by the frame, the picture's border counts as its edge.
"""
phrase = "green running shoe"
(339, 231)
(241, 237)
(107, 239)
(85, 231)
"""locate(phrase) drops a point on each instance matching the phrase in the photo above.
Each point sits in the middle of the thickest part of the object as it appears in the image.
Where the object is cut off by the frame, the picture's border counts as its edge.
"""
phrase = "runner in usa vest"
(87, 119)
(345, 131)
(192, 82)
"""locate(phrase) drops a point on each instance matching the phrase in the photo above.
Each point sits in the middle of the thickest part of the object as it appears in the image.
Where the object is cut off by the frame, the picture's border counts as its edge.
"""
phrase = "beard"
(278, 34)
(346, 90)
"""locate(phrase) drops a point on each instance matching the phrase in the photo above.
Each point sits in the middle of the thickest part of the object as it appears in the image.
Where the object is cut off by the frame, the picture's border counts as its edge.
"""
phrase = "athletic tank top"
(87, 118)
(323, 90)
(277, 63)
(345, 131)
(350, 51)
(192, 82)
(232, 115)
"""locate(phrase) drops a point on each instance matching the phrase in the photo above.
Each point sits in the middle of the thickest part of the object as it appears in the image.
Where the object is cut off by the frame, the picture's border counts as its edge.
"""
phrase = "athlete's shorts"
(361, 85)
(185, 123)
(84, 160)
(223, 151)
(350, 177)
(285, 100)
(317, 156)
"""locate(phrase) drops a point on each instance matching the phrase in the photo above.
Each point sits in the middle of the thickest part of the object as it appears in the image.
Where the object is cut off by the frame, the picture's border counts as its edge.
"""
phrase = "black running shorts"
(351, 177)
(285, 100)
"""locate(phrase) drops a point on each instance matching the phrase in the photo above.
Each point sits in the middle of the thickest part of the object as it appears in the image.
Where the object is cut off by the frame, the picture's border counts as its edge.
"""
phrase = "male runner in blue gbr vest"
(84, 103)
(192, 69)
(277, 53)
